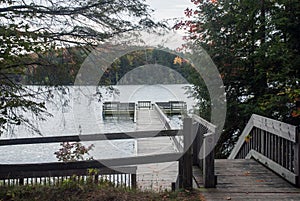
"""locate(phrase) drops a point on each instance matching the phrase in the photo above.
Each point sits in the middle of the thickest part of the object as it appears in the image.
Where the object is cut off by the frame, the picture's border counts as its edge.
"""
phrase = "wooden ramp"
(242, 179)
(158, 176)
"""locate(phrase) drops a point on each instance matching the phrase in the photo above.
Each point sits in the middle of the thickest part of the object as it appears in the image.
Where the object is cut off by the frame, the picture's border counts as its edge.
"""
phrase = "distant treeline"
(152, 66)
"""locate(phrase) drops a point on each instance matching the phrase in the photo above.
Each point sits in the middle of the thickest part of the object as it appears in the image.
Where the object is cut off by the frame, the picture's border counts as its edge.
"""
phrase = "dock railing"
(119, 171)
(197, 144)
(203, 150)
(144, 105)
(196, 147)
(119, 109)
(173, 107)
(274, 144)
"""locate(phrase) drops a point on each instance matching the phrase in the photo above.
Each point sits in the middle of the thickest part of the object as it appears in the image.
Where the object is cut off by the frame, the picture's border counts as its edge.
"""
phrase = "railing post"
(197, 146)
(187, 157)
(297, 157)
(133, 181)
(262, 141)
(209, 178)
(21, 181)
(179, 182)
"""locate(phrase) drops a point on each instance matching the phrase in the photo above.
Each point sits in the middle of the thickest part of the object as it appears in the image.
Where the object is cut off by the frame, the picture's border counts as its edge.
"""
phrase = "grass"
(90, 192)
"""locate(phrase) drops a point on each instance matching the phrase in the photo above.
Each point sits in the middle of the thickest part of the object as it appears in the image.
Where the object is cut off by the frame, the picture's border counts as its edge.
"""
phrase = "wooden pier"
(156, 176)
(264, 165)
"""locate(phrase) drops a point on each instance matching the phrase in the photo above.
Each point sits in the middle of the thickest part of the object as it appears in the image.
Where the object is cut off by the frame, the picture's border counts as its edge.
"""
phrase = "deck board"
(158, 176)
(249, 180)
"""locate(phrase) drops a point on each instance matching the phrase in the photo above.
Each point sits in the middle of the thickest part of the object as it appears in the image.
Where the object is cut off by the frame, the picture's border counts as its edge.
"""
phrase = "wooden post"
(262, 142)
(173, 186)
(187, 157)
(96, 178)
(21, 181)
(209, 178)
(197, 144)
(133, 181)
(297, 157)
(179, 182)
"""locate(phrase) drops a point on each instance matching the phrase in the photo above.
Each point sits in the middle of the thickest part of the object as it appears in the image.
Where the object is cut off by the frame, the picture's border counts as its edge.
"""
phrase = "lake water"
(79, 111)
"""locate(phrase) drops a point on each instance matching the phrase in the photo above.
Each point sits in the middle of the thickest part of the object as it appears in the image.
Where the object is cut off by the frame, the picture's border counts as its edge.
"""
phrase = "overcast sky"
(166, 9)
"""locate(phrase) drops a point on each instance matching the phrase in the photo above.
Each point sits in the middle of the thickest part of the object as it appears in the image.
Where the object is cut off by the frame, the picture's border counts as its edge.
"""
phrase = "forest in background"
(255, 45)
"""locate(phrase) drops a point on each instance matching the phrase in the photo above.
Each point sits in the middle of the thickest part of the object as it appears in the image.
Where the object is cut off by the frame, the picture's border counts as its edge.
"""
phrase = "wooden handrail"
(203, 150)
(91, 137)
(185, 158)
(275, 127)
(211, 127)
(165, 120)
(101, 163)
(178, 139)
(21, 171)
(273, 143)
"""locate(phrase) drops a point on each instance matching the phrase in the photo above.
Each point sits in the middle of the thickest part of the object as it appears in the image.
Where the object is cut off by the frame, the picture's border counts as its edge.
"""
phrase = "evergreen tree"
(255, 45)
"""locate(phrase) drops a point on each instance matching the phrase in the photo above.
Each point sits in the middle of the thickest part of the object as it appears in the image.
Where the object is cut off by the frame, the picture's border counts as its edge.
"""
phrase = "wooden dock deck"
(157, 176)
(242, 179)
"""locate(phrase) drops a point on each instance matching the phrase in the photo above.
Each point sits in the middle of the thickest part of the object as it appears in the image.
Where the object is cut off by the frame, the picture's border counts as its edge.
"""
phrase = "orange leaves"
(178, 60)
(214, 1)
(248, 138)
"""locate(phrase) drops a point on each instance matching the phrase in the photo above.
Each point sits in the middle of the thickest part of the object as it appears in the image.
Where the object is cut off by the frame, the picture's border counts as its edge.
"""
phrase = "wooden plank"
(179, 182)
(248, 180)
(241, 196)
(177, 143)
(210, 126)
(148, 120)
(125, 161)
(91, 137)
(209, 178)
(9, 174)
(157, 177)
(196, 144)
(134, 115)
(278, 128)
(231, 170)
(297, 158)
(154, 176)
(241, 139)
(283, 172)
(187, 157)
(133, 181)
(165, 120)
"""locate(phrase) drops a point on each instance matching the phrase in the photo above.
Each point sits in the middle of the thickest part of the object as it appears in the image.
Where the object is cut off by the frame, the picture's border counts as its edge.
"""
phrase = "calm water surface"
(80, 112)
